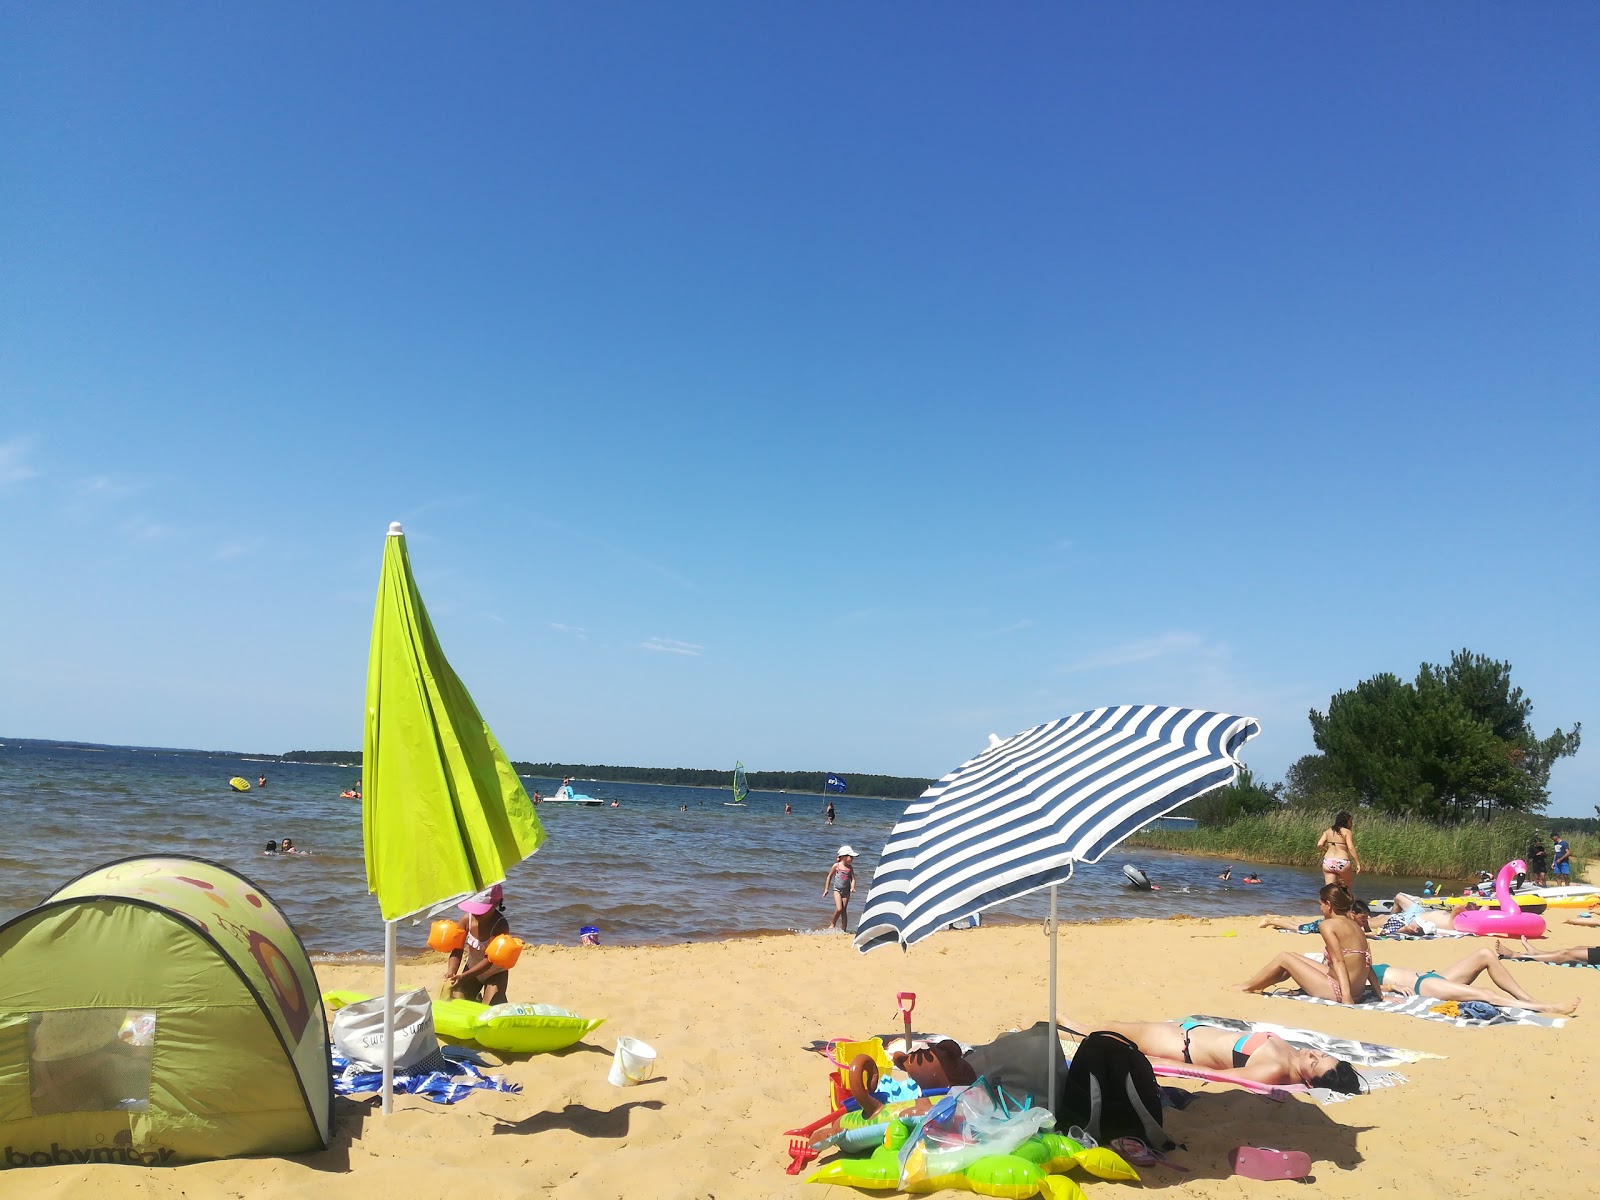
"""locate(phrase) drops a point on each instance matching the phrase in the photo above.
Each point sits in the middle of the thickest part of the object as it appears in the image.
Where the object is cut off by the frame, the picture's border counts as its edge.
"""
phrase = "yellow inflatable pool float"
(239, 784)
(513, 1028)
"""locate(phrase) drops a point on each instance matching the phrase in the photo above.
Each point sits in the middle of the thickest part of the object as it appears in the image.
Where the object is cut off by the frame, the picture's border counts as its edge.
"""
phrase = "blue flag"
(835, 783)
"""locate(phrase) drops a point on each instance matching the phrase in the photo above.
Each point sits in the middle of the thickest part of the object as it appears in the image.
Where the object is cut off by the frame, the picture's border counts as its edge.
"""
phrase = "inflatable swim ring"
(1509, 921)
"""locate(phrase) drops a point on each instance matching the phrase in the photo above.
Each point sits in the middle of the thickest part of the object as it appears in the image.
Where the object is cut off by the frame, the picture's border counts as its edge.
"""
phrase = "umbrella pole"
(388, 1013)
(1049, 1049)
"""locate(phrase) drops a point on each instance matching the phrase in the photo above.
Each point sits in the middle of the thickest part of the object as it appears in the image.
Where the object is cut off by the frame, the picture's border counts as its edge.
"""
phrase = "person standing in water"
(829, 813)
(841, 881)
(261, 782)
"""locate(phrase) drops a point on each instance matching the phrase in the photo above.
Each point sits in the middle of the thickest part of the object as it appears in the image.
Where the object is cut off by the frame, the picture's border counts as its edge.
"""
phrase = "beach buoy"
(504, 951)
(445, 936)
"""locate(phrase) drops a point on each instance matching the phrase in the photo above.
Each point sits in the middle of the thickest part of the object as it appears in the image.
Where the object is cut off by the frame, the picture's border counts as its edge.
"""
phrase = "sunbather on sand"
(1348, 971)
(1588, 956)
(1452, 983)
(1257, 1057)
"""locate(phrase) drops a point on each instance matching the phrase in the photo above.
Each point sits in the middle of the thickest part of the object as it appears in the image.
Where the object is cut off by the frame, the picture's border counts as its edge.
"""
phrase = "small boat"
(565, 795)
(740, 789)
(238, 784)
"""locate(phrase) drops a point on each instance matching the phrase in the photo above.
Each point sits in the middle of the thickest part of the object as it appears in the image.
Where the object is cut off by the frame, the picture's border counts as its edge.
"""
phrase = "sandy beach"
(731, 1022)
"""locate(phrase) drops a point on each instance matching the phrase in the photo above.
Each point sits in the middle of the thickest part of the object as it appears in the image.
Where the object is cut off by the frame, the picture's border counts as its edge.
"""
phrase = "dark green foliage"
(1455, 741)
(888, 787)
(1244, 797)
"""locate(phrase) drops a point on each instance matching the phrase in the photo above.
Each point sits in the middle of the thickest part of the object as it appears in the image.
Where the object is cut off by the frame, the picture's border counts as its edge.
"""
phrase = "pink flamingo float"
(1510, 921)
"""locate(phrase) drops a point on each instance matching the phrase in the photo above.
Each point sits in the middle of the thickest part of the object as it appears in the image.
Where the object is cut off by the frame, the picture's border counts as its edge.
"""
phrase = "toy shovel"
(907, 1001)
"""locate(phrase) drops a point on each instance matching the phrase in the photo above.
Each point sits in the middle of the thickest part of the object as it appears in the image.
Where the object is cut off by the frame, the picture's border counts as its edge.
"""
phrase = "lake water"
(646, 872)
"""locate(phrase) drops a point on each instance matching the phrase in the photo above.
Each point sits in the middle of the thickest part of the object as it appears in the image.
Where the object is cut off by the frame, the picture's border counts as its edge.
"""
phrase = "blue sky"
(824, 386)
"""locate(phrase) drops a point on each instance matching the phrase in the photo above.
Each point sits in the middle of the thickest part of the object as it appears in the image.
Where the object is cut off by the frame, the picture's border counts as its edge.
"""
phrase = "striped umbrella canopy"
(1018, 816)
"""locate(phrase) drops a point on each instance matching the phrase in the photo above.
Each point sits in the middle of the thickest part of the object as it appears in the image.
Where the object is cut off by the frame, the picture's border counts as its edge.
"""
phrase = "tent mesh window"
(90, 1060)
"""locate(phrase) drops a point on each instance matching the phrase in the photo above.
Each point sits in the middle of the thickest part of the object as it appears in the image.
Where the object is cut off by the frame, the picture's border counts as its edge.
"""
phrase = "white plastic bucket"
(634, 1062)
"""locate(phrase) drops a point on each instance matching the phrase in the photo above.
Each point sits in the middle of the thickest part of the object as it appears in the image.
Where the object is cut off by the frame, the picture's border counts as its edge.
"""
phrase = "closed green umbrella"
(443, 814)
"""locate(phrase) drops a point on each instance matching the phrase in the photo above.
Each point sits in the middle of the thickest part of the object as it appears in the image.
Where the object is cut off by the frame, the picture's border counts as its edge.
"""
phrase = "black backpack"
(1111, 1092)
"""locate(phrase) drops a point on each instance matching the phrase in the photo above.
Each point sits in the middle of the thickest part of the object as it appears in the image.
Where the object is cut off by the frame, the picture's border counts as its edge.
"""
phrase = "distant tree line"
(887, 787)
(1455, 743)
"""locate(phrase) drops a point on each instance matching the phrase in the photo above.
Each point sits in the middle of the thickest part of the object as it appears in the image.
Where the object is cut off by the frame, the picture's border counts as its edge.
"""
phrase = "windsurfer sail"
(740, 788)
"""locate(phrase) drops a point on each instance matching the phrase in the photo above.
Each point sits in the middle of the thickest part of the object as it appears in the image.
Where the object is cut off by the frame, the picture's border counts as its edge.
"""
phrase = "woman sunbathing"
(1256, 1057)
(1348, 971)
(1452, 983)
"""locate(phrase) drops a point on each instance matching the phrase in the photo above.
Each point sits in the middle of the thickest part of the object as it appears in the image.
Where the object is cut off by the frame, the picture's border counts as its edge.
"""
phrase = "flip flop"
(1260, 1162)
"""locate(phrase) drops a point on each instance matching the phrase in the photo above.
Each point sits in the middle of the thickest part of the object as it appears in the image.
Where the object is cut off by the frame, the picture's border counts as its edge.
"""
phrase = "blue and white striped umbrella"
(1017, 817)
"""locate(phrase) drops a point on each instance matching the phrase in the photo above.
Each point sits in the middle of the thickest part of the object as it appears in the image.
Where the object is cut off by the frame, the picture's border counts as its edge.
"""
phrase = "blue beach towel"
(449, 1083)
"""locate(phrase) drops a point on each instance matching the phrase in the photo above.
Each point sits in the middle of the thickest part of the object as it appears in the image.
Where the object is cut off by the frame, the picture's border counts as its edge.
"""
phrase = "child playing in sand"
(479, 978)
(841, 881)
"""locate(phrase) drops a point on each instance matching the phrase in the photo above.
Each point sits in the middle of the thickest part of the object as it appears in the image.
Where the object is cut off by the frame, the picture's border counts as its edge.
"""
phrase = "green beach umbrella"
(443, 814)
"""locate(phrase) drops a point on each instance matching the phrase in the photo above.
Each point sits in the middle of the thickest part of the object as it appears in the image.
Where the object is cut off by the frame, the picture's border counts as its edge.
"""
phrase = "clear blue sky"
(825, 385)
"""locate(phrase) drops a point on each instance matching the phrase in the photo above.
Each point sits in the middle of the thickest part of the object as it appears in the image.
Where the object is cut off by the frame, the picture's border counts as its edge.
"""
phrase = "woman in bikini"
(1347, 971)
(1254, 1057)
(1455, 983)
(470, 972)
(1338, 846)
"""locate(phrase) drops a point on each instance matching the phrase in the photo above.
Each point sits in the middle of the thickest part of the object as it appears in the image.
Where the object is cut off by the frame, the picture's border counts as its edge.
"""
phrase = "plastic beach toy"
(634, 1062)
(1510, 921)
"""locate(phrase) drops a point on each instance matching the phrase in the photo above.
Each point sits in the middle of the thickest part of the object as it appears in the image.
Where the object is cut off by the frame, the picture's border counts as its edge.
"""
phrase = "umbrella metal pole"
(388, 1014)
(1049, 1047)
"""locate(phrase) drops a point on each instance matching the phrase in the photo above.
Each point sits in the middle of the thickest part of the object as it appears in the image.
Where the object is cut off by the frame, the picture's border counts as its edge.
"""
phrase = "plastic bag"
(964, 1127)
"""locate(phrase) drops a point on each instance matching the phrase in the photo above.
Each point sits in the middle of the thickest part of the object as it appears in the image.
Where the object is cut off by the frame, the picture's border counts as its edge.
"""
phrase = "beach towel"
(450, 1082)
(1543, 963)
(1423, 1006)
(1369, 1058)
(1402, 937)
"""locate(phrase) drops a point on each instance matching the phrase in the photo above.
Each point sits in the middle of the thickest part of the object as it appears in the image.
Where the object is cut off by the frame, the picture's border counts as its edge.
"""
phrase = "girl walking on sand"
(841, 881)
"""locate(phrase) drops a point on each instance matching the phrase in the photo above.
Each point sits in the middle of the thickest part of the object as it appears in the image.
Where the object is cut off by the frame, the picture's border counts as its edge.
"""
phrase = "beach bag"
(1016, 1062)
(1111, 1092)
(358, 1032)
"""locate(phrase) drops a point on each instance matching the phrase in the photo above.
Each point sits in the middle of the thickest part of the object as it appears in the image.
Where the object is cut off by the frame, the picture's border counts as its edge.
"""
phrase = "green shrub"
(1387, 845)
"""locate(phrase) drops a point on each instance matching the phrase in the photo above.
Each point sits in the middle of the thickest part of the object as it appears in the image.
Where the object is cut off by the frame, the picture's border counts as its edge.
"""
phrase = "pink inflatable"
(1510, 921)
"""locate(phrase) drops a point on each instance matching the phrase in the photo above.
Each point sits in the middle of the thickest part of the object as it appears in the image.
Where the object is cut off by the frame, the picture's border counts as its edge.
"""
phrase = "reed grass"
(1387, 845)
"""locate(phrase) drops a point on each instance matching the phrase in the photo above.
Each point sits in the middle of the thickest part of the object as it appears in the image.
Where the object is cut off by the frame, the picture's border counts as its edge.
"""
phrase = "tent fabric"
(158, 1010)
(443, 812)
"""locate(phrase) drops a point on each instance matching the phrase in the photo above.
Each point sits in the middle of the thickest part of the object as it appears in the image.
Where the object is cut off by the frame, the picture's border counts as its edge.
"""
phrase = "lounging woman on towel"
(1348, 969)
(1257, 1057)
(1454, 983)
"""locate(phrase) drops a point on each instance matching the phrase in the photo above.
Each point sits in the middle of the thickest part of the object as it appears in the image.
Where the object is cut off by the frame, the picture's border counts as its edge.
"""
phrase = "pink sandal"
(1260, 1162)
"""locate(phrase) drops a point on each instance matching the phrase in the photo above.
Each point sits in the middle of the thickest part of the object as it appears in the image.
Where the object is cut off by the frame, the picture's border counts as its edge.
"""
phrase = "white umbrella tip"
(394, 529)
(994, 740)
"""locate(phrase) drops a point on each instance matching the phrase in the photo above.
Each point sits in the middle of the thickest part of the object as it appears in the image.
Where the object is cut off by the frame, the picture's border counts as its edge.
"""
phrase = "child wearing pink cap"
(478, 978)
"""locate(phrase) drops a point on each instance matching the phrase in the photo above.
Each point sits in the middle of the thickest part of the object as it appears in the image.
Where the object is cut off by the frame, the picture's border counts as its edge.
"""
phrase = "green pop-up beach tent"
(158, 1010)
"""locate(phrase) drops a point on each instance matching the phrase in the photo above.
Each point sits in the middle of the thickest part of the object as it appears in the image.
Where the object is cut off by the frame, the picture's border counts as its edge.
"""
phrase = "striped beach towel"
(1423, 1006)
(1541, 962)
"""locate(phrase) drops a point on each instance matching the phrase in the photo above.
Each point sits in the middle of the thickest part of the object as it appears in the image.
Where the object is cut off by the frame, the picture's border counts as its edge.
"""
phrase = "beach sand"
(1506, 1112)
